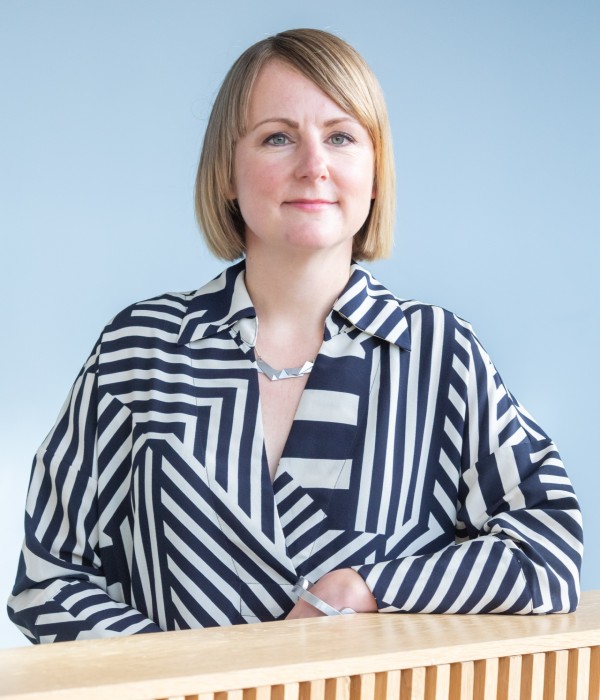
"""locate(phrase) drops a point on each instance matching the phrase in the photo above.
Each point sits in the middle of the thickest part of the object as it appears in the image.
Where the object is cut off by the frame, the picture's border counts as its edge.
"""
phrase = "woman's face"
(304, 170)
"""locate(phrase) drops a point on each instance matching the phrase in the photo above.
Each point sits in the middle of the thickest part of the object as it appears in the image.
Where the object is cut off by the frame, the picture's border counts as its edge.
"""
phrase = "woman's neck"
(301, 289)
(293, 296)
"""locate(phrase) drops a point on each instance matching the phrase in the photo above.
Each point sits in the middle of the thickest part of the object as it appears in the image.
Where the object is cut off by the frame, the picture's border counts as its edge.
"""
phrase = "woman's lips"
(310, 204)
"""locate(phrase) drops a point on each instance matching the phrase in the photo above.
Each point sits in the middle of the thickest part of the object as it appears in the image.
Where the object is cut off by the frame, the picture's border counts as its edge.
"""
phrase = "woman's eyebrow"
(294, 125)
(279, 120)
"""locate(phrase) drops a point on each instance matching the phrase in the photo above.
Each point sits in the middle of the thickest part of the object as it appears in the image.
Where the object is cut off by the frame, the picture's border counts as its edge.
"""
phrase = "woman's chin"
(316, 243)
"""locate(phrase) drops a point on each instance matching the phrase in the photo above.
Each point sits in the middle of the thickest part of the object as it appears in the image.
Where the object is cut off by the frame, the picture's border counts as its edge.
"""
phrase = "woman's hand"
(343, 588)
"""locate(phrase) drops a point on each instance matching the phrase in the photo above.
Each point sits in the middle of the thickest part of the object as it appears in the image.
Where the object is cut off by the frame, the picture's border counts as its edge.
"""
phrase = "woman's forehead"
(281, 93)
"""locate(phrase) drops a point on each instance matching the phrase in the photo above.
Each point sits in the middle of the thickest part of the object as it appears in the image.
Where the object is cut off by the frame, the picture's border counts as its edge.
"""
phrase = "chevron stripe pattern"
(151, 507)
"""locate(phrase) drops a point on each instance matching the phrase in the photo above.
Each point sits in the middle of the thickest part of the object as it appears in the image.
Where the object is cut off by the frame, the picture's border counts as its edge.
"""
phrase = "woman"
(292, 440)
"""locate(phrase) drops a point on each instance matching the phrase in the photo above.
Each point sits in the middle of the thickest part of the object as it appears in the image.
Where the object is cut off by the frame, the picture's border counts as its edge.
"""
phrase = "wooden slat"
(337, 688)
(283, 691)
(509, 677)
(533, 669)
(412, 684)
(310, 690)
(236, 694)
(406, 684)
(485, 672)
(555, 681)
(578, 681)
(437, 682)
(261, 692)
(362, 687)
(462, 680)
(595, 673)
(387, 685)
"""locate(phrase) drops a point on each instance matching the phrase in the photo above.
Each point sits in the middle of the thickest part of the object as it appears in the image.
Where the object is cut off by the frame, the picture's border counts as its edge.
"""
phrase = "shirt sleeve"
(518, 543)
(61, 592)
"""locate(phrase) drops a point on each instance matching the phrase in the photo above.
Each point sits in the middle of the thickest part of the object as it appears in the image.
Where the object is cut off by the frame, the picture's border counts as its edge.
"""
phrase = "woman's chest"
(362, 467)
(278, 406)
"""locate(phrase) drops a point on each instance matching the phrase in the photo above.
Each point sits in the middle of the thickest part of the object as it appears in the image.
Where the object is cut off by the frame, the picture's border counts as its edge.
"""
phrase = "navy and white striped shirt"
(151, 506)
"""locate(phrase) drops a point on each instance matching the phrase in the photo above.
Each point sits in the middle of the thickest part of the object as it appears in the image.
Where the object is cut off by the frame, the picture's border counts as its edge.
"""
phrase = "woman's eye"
(277, 140)
(341, 139)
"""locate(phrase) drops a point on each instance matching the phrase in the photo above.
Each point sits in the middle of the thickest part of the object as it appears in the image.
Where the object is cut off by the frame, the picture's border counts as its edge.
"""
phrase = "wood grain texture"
(337, 688)
(350, 657)
(437, 682)
(578, 681)
(310, 690)
(509, 677)
(594, 691)
(362, 687)
(261, 692)
(412, 684)
(532, 676)
(387, 685)
(485, 685)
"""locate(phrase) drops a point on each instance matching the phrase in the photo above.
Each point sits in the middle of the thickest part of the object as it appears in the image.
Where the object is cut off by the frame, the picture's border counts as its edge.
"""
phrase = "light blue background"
(495, 108)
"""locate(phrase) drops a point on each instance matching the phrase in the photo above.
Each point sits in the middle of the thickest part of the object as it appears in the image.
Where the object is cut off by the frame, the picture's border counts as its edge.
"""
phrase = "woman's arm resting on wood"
(519, 559)
(61, 592)
(518, 524)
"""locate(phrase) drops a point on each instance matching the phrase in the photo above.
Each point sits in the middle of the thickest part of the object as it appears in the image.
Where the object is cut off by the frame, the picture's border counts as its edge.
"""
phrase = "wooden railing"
(354, 657)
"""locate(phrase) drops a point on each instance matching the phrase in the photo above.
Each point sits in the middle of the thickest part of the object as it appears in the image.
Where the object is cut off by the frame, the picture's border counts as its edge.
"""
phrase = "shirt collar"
(371, 308)
(217, 306)
(365, 303)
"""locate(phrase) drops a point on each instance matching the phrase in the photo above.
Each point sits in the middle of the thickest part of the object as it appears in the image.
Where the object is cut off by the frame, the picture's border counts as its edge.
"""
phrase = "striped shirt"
(151, 506)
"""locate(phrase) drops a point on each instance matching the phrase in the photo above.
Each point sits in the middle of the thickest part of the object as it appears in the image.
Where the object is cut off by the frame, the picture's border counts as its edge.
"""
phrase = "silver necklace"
(285, 373)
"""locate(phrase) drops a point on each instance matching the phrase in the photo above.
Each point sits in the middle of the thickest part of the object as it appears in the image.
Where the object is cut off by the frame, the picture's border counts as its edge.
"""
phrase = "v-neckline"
(272, 475)
(278, 405)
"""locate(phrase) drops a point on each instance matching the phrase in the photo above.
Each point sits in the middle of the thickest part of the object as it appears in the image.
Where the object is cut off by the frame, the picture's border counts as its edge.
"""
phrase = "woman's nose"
(312, 162)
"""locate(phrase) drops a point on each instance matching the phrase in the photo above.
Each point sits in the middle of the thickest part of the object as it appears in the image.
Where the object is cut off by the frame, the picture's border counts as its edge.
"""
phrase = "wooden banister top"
(224, 658)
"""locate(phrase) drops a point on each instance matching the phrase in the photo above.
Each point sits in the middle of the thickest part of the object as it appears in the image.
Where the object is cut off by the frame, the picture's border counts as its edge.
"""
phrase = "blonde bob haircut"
(342, 74)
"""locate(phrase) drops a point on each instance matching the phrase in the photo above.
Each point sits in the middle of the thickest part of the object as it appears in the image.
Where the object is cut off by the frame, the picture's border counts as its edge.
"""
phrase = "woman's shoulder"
(161, 320)
(422, 318)
(162, 313)
(433, 316)
(149, 329)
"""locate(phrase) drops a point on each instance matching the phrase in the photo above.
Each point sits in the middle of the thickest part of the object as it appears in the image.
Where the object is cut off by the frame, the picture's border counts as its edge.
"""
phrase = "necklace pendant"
(285, 373)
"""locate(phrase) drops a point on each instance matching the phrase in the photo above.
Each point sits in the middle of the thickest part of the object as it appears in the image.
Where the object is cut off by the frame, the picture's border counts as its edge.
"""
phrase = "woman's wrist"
(344, 588)
(301, 590)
